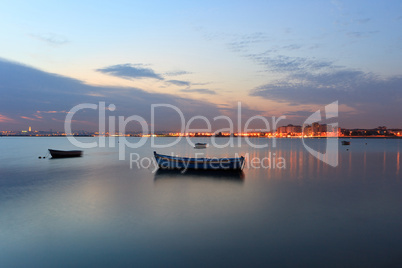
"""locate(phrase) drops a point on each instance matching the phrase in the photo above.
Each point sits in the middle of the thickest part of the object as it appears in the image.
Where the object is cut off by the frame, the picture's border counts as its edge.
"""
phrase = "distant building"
(323, 128)
(315, 128)
(307, 130)
(289, 130)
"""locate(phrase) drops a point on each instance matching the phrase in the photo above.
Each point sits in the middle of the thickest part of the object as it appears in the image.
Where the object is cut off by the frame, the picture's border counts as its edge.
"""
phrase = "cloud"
(292, 47)
(199, 90)
(349, 86)
(30, 118)
(177, 73)
(242, 42)
(5, 119)
(43, 99)
(374, 99)
(95, 94)
(130, 71)
(312, 81)
(179, 82)
(282, 63)
(51, 112)
(51, 39)
(201, 84)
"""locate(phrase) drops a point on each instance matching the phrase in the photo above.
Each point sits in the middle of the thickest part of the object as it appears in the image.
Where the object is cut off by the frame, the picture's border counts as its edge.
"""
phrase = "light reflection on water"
(96, 211)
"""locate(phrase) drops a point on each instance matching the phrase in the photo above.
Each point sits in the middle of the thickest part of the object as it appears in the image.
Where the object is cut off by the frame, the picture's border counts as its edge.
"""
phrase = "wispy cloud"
(5, 119)
(51, 39)
(283, 63)
(30, 118)
(241, 43)
(201, 84)
(179, 82)
(177, 73)
(199, 90)
(292, 47)
(275, 57)
(95, 94)
(51, 112)
(130, 71)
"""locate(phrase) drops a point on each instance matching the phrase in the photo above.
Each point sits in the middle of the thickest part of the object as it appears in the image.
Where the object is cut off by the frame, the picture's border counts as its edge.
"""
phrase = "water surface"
(96, 211)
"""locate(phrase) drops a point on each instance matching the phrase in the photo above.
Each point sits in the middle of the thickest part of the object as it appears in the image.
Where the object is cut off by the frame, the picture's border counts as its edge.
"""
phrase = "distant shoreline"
(294, 137)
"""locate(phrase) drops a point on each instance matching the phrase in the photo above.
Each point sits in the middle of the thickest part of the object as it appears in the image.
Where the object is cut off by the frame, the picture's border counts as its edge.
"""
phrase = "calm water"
(96, 211)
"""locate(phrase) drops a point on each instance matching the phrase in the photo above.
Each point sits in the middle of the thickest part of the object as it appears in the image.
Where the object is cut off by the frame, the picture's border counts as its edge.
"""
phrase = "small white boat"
(200, 145)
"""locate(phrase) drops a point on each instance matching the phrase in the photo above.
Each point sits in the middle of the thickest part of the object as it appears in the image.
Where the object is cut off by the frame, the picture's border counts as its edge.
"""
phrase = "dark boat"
(64, 154)
(176, 162)
(200, 145)
(345, 142)
(235, 175)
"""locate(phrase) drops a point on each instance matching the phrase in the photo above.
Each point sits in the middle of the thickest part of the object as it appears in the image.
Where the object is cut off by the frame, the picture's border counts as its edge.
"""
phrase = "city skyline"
(305, 131)
(280, 59)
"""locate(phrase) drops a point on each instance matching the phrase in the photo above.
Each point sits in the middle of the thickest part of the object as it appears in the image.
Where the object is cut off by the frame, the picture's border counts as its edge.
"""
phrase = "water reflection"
(226, 175)
(76, 208)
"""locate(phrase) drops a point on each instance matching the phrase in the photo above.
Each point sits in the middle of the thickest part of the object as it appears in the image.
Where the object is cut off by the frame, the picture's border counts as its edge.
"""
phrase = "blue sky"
(277, 57)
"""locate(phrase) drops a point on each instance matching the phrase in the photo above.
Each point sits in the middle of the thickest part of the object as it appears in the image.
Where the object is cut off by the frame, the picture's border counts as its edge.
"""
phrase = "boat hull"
(200, 146)
(64, 154)
(173, 162)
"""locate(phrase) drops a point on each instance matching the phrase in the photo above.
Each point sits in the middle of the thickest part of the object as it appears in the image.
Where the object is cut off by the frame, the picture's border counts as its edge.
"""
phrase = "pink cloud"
(29, 118)
(5, 119)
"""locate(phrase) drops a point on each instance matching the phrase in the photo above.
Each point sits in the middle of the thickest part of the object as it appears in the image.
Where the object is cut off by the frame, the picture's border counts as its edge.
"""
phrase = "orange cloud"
(29, 118)
(50, 112)
(5, 119)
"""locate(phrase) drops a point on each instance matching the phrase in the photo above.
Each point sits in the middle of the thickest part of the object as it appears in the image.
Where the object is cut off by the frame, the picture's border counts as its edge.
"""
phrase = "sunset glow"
(276, 58)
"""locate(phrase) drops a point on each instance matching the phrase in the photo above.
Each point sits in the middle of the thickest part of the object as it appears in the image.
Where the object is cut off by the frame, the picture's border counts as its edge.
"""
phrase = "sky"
(278, 58)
